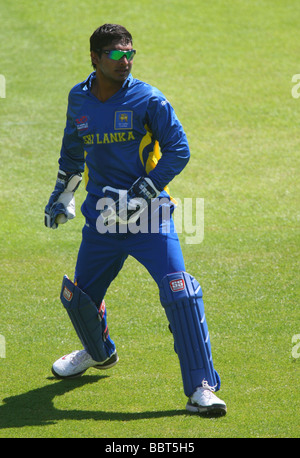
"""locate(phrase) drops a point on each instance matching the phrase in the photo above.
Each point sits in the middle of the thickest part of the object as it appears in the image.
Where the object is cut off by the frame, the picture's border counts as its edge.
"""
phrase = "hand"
(126, 206)
(61, 205)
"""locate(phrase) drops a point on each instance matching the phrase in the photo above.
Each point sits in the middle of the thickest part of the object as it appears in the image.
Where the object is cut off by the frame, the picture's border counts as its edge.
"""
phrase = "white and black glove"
(126, 206)
(61, 205)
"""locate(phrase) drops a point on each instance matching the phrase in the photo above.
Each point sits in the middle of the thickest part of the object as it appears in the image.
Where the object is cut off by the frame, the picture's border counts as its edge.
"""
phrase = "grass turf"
(227, 70)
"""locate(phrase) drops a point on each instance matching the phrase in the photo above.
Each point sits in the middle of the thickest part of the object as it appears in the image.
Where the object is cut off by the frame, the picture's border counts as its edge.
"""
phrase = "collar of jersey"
(87, 84)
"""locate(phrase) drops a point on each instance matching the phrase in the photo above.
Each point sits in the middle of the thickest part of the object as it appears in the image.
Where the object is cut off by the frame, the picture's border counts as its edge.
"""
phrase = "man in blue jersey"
(124, 135)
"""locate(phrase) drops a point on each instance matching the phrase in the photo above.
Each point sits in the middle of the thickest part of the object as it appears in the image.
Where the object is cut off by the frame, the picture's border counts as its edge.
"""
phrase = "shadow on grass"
(35, 408)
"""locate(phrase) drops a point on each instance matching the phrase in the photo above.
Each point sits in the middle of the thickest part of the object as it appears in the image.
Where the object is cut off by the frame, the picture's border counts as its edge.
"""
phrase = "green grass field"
(227, 68)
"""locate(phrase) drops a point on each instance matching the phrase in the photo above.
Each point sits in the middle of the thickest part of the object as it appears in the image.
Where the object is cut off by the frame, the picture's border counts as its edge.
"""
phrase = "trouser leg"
(181, 297)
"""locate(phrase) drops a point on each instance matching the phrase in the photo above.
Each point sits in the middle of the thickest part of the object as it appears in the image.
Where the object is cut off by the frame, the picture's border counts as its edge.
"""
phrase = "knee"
(179, 286)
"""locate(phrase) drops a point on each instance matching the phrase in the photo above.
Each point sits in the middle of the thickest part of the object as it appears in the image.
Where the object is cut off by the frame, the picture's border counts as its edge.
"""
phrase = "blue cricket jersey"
(115, 142)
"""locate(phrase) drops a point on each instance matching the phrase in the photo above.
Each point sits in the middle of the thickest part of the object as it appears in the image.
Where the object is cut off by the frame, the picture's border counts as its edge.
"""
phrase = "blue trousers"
(101, 257)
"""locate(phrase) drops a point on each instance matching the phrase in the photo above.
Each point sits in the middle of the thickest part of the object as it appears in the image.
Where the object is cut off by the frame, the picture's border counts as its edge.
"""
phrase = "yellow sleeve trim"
(151, 163)
(86, 171)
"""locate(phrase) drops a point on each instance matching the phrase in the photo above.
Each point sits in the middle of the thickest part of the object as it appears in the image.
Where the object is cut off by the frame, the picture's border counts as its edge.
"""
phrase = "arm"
(126, 206)
(167, 129)
(61, 205)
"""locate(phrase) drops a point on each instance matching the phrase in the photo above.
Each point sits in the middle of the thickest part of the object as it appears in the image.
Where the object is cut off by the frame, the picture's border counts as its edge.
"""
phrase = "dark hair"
(106, 34)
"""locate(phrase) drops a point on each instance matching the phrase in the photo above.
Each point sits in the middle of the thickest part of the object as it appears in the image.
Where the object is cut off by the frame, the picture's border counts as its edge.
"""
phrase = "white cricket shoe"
(203, 400)
(77, 362)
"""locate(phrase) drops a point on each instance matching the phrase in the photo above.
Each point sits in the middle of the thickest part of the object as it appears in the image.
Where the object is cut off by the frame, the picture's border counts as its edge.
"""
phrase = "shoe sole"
(107, 365)
(216, 410)
(63, 377)
(110, 363)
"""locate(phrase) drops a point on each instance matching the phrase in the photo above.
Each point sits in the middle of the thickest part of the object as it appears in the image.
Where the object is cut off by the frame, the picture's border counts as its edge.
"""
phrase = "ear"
(94, 58)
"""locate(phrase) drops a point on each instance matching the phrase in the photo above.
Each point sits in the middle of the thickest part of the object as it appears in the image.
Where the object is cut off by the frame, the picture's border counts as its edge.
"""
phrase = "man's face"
(114, 70)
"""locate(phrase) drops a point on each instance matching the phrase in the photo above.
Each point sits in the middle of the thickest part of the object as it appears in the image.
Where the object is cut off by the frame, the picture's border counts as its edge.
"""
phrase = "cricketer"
(123, 135)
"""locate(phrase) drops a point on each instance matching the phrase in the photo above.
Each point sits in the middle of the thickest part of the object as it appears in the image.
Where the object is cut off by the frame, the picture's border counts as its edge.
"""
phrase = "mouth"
(122, 71)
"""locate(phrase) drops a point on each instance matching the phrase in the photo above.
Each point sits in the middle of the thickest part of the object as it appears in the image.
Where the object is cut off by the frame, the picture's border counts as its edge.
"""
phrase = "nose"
(124, 60)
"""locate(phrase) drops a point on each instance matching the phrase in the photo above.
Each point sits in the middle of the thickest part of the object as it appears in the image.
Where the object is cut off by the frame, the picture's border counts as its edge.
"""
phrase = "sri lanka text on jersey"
(109, 137)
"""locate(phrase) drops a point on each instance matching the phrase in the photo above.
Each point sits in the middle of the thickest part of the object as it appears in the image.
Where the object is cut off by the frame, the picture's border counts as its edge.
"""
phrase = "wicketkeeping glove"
(128, 205)
(61, 205)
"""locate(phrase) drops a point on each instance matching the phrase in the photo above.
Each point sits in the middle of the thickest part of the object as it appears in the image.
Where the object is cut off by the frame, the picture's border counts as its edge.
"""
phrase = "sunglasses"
(116, 54)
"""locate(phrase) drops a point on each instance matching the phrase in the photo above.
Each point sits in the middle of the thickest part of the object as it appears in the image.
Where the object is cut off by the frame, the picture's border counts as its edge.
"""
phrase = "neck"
(104, 88)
